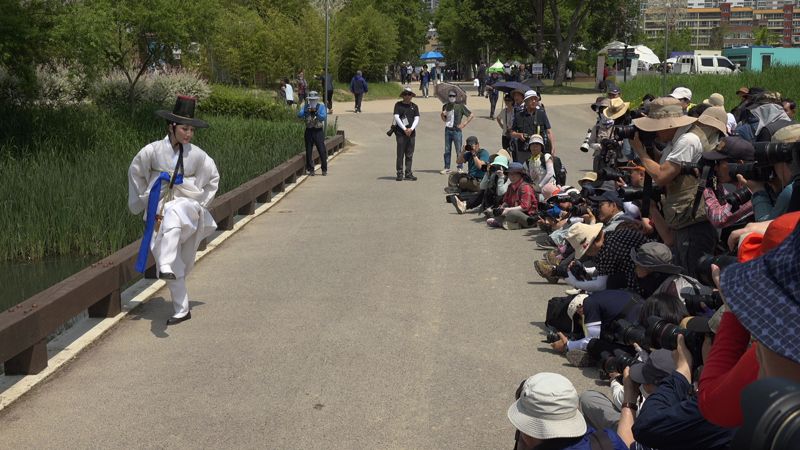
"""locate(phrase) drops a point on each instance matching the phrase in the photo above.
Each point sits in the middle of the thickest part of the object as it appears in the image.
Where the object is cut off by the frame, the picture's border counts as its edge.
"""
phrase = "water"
(22, 280)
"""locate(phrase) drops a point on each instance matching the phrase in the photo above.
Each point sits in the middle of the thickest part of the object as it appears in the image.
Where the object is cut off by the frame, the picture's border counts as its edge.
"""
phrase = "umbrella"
(509, 86)
(496, 67)
(647, 55)
(442, 89)
(533, 82)
(431, 55)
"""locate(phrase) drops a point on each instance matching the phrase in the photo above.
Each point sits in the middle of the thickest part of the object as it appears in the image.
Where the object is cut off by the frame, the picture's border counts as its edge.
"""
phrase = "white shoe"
(461, 170)
(460, 205)
(444, 171)
(572, 291)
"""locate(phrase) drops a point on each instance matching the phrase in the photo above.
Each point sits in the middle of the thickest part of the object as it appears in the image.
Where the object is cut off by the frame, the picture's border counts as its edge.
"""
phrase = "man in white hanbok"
(183, 180)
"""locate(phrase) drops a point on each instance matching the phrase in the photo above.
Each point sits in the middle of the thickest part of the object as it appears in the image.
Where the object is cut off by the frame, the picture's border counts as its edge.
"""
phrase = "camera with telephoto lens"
(704, 263)
(391, 131)
(630, 193)
(771, 411)
(585, 146)
(738, 198)
(751, 171)
(769, 153)
(621, 132)
(551, 335)
(609, 174)
(662, 334)
(578, 270)
(582, 210)
(695, 302)
(627, 333)
(611, 356)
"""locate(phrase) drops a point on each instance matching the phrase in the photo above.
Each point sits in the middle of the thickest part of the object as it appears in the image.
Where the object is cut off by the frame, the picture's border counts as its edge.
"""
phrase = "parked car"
(705, 64)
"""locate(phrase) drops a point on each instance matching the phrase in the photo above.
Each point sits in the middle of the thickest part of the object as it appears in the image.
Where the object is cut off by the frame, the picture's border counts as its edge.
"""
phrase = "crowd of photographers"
(681, 254)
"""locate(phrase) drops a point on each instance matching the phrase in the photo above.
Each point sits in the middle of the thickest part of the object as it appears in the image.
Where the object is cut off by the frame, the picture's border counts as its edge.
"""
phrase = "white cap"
(681, 93)
(530, 93)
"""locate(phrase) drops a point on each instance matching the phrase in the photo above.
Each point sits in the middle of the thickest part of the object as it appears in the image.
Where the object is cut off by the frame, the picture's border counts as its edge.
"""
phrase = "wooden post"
(30, 361)
(108, 306)
(225, 224)
(266, 197)
(248, 209)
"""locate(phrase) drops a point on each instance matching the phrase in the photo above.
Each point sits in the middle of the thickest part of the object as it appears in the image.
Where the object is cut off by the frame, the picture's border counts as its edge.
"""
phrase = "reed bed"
(64, 173)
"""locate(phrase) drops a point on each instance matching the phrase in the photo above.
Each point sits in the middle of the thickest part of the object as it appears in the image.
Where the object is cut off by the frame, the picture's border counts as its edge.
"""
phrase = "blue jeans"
(451, 136)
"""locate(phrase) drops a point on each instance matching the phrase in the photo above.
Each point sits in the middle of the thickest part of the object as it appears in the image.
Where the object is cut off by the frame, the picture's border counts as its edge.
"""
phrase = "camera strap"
(701, 186)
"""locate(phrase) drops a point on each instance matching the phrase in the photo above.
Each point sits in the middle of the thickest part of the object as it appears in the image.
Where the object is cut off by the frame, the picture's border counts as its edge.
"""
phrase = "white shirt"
(685, 147)
(451, 119)
(289, 93)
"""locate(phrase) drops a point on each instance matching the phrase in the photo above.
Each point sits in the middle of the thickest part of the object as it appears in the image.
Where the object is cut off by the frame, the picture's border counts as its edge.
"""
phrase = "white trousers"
(180, 297)
(174, 248)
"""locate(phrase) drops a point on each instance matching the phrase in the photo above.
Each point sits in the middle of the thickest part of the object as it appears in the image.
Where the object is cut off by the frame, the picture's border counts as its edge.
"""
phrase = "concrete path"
(360, 312)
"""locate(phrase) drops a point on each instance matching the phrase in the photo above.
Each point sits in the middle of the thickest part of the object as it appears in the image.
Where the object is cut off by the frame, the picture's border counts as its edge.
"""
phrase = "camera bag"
(557, 317)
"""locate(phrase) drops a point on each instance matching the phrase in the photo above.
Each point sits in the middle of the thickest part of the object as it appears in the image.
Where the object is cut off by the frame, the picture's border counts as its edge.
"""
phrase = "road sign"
(537, 68)
(621, 53)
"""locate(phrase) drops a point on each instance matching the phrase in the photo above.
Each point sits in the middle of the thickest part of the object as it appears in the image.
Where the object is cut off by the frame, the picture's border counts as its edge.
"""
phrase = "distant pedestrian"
(358, 86)
(434, 74)
(424, 80)
(481, 78)
(409, 72)
(288, 92)
(327, 81)
(314, 114)
(406, 119)
(492, 93)
(302, 87)
(453, 117)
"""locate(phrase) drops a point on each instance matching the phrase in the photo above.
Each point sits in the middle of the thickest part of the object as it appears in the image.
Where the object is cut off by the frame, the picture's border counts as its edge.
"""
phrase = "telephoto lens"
(585, 146)
(704, 266)
(769, 153)
(624, 132)
(609, 174)
(695, 302)
(662, 334)
(750, 171)
(628, 333)
(738, 198)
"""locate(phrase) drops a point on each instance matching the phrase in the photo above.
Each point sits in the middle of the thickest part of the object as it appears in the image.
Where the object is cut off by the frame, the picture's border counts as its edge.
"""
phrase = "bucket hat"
(516, 167)
(530, 93)
(536, 139)
(656, 257)
(600, 102)
(408, 90)
(183, 112)
(575, 303)
(313, 95)
(616, 109)
(714, 99)
(503, 152)
(716, 117)
(501, 161)
(658, 365)
(580, 236)
(665, 113)
(588, 176)
(764, 294)
(547, 408)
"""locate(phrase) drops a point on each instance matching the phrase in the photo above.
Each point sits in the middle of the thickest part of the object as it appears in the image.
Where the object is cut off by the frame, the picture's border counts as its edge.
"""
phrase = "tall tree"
(365, 40)
(565, 31)
(410, 18)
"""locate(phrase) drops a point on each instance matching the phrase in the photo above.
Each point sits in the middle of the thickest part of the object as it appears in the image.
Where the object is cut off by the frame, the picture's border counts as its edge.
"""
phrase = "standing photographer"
(314, 114)
(531, 120)
(406, 119)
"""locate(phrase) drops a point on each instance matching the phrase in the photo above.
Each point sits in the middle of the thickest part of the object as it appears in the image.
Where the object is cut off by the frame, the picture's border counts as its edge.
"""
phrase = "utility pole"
(327, 51)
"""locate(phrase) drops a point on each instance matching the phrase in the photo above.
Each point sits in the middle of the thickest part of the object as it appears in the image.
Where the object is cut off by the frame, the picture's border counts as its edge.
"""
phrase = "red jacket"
(522, 194)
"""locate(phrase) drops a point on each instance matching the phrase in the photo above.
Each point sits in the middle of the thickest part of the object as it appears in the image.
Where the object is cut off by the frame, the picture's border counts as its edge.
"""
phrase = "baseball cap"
(659, 365)
(607, 196)
(472, 140)
(681, 93)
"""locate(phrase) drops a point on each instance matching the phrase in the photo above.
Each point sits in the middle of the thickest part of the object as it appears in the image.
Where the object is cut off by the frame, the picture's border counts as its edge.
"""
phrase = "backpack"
(558, 168)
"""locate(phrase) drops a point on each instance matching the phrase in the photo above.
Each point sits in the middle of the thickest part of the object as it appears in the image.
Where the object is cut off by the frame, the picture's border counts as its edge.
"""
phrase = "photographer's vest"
(680, 194)
(312, 121)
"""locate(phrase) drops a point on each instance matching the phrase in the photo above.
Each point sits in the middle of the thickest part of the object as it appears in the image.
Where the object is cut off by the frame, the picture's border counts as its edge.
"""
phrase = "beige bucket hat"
(547, 408)
(665, 113)
(616, 109)
(715, 116)
(580, 236)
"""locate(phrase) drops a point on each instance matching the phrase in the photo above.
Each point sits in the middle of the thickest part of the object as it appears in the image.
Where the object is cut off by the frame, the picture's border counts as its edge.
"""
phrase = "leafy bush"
(157, 88)
(60, 85)
(255, 104)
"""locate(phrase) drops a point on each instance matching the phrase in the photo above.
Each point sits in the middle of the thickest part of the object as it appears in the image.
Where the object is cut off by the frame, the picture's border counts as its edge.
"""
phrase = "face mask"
(313, 103)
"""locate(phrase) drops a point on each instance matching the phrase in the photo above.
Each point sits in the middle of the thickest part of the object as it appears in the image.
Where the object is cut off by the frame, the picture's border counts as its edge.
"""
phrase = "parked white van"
(704, 64)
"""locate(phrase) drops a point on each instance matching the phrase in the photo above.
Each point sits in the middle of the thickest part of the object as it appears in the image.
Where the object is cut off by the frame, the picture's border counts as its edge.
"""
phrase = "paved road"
(358, 313)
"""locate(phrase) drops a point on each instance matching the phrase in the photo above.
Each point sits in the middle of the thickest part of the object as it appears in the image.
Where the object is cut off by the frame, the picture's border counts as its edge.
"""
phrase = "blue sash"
(150, 223)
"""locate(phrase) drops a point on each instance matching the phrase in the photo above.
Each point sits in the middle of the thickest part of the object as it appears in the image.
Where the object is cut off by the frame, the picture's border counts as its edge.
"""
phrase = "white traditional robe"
(186, 219)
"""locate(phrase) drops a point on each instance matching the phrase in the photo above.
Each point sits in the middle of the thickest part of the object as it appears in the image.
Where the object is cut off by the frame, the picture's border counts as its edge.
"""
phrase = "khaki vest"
(679, 198)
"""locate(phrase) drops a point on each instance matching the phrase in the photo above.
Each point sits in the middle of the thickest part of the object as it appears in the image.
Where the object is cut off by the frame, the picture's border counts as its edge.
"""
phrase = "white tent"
(647, 55)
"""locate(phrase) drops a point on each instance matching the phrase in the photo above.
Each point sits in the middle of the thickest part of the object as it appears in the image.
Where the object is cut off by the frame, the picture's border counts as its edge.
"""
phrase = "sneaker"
(399, 177)
(508, 225)
(311, 173)
(461, 170)
(451, 190)
(572, 291)
(546, 243)
(411, 177)
(460, 205)
(449, 198)
(552, 257)
(579, 358)
(493, 223)
(445, 171)
(545, 270)
(324, 173)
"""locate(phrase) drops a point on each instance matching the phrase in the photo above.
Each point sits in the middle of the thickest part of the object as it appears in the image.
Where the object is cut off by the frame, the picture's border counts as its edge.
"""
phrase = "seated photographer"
(611, 255)
(762, 117)
(598, 311)
(546, 416)
(519, 203)
(477, 159)
(735, 150)
(610, 210)
(657, 275)
(732, 363)
(556, 213)
(670, 418)
(766, 204)
(493, 187)
(540, 168)
(684, 213)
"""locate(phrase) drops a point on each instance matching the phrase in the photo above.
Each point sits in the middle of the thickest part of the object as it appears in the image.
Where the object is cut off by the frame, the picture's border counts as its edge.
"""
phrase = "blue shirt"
(322, 112)
(763, 209)
(474, 170)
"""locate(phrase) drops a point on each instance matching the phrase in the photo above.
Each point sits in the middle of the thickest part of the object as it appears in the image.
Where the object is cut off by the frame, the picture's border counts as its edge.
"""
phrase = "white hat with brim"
(313, 95)
(548, 408)
(580, 236)
(530, 93)
(665, 113)
(504, 152)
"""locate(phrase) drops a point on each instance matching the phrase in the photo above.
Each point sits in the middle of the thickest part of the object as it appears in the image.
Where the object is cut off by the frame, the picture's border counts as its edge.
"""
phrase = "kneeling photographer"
(684, 213)
(658, 275)
(519, 203)
(477, 159)
(772, 197)
(492, 187)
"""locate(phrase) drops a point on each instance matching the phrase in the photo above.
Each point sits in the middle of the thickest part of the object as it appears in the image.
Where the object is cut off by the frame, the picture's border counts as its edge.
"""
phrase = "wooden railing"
(24, 328)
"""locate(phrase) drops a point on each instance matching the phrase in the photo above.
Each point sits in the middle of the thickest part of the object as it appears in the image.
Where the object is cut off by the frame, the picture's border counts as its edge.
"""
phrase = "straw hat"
(716, 117)
(714, 99)
(504, 152)
(616, 109)
(665, 113)
(580, 236)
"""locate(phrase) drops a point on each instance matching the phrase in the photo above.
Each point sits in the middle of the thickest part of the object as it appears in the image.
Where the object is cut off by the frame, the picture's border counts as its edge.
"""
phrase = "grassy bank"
(781, 79)
(377, 91)
(64, 173)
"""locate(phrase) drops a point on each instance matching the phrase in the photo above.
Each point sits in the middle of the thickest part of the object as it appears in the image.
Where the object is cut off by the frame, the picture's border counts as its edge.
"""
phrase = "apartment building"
(738, 23)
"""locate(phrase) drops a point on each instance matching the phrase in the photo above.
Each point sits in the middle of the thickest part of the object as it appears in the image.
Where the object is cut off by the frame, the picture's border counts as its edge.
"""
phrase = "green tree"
(365, 40)
(409, 17)
(462, 41)
(764, 36)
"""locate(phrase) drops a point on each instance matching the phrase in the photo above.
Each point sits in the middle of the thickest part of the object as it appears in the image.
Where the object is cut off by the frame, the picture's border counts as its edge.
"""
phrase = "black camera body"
(391, 131)
(695, 302)
(610, 174)
(627, 333)
(579, 271)
(629, 193)
(662, 334)
(610, 356)
(621, 132)
(705, 262)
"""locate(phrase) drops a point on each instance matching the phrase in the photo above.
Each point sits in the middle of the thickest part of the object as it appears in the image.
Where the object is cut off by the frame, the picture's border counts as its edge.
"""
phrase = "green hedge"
(781, 79)
(248, 103)
(64, 172)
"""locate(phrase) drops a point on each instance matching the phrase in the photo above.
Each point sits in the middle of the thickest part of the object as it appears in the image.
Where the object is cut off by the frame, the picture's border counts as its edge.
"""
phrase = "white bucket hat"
(681, 93)
(547, 408)
(530, 93)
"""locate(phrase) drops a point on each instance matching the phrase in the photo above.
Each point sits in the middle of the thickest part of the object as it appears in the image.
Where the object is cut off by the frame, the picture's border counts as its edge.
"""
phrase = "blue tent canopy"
(431, 55)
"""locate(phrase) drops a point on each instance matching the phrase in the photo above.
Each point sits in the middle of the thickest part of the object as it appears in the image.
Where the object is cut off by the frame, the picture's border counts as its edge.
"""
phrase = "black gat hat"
(183, 113)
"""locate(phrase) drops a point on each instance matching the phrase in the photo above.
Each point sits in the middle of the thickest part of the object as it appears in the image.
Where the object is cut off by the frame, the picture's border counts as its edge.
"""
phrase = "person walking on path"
(452, 115)
(327, 80)
(492, 93)
(358, 86)
(315, 114)
(481, 78)
(302, 87)
(288, 92)
(406, 119)
(173, 182)
(424, 80)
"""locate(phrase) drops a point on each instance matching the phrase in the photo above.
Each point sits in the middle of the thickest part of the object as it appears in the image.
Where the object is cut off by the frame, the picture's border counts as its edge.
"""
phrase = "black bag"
(558, 318)
(559, 169)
